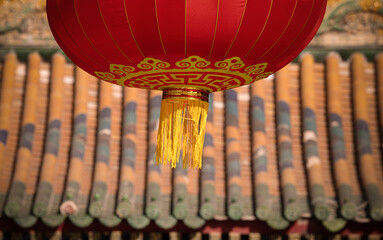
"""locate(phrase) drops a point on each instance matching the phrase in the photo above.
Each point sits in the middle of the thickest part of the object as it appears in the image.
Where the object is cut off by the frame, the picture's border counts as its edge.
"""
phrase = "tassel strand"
(181, 127)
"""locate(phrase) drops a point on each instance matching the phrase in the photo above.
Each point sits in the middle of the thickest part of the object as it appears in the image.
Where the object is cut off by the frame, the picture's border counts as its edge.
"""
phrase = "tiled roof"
(120, 235)
(305, 143)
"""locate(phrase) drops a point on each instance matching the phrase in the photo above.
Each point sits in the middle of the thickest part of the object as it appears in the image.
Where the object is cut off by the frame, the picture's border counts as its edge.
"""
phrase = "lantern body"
(211, 45)
(186, 48)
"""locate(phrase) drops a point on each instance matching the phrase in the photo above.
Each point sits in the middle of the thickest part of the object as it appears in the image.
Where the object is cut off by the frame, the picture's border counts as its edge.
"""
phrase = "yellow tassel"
(181, 127)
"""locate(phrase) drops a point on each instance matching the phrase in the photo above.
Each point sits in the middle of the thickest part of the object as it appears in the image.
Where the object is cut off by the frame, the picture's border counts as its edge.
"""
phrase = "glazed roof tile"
(307, 145)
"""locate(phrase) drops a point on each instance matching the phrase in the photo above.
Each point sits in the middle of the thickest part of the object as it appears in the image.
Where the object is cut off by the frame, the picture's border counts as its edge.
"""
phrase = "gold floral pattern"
(193, 71)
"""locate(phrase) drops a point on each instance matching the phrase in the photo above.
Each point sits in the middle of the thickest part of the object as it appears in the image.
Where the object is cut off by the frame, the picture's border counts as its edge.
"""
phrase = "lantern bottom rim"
(187, 93)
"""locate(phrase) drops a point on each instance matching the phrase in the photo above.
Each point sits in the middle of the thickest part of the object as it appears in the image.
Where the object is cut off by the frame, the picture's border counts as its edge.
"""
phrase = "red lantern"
(186, 48)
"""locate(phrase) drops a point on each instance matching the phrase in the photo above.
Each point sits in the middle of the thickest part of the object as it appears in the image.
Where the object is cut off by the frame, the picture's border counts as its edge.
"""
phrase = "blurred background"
(327, 104)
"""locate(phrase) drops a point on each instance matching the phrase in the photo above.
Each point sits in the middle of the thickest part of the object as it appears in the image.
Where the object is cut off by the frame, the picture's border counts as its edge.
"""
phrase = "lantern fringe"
(181, 127)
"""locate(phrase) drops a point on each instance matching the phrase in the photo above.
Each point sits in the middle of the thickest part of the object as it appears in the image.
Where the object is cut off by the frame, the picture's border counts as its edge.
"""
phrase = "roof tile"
(303, 143)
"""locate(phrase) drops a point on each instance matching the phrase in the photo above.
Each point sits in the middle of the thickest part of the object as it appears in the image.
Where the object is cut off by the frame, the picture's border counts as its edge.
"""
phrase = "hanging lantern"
(187, 49)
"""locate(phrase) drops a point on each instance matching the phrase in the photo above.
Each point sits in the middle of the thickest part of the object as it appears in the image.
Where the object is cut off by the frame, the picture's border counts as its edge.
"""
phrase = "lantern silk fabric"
(187, 48)
(101, 35)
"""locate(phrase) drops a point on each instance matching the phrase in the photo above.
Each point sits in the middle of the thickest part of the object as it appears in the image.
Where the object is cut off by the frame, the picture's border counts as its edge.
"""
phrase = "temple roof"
(304, 144)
